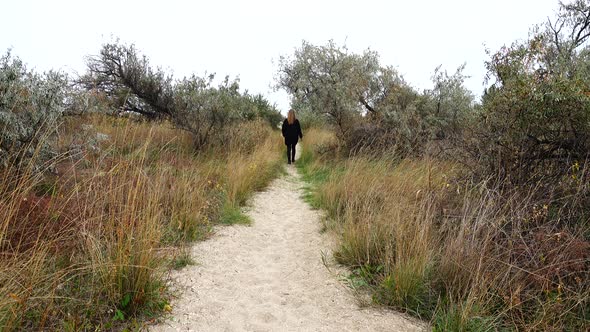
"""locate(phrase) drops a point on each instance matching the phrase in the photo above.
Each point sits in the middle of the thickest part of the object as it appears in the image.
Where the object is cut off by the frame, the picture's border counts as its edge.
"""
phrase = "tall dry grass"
(252, 161)
(87, 245)
(467, 256)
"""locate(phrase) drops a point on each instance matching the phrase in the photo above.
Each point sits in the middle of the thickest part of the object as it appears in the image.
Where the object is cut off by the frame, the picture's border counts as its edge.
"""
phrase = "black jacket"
(291, 133)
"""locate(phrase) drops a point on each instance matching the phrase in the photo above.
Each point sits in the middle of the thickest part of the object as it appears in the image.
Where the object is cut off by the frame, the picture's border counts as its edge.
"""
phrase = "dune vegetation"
(473, 215)
(422, 238)
(470, 213)
(97, 204)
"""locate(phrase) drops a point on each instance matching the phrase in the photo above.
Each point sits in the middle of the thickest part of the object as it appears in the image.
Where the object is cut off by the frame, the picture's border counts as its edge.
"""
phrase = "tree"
(371, 105)
(193, 103)
(129, 81)
(447, 104)
(536, 114)
(331, 81)
(202, 109)
(261, 108)
(565, 36)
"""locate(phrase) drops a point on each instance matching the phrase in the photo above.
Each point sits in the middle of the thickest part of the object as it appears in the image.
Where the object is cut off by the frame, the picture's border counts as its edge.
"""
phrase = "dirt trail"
(270, 276)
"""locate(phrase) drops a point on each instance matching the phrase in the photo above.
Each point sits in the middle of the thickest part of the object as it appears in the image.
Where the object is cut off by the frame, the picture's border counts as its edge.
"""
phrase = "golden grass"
(445, 250)
(387, 219)
(248, 171)
(93, 251)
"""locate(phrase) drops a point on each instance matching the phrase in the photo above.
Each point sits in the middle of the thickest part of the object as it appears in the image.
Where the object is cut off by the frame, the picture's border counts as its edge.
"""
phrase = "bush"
(469, 256)
(370, 106)
(535, 119)
(30, 106)
(192, 104)
(534, 126)
(330, 81)
(129, 82)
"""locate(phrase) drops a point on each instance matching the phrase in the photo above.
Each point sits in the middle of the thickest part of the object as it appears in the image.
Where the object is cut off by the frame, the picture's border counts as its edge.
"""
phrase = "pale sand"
(270, 276)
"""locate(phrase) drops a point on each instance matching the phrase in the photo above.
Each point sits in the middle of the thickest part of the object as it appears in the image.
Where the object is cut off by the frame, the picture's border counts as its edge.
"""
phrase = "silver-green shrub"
(130, 85)
(30, 105)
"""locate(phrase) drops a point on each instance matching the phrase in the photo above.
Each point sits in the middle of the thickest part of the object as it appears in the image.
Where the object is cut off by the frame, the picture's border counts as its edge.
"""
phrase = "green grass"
(313, 177)
(452, 317)
(46, 188)
(232, 215)
(182, 260)
(408, 291)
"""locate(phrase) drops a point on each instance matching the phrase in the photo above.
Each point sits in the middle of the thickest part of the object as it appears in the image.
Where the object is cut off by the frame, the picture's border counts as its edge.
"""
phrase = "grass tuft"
(182, 260)
(231, 215)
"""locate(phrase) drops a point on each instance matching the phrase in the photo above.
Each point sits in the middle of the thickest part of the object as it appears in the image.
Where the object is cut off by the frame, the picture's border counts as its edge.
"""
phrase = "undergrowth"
(86, 244)
(466, 256)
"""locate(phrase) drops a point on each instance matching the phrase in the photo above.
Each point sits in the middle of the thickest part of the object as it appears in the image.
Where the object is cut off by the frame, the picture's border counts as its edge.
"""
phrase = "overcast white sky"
(243, 38)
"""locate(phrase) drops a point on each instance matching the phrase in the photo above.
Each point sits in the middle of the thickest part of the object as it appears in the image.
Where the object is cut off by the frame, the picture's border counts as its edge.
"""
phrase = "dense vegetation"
(474, 215)
(105, 179)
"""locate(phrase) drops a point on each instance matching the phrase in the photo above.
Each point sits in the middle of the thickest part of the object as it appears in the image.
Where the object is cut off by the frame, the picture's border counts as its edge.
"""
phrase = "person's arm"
(299, 129)
(284, 128)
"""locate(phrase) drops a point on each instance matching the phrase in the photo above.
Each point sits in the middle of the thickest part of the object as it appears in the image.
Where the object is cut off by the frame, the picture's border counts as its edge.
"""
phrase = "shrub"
(129, 81)
(535, 117)
(479, 256)
(329, 80)
(370, 106)
(30, 106)
(192, 104)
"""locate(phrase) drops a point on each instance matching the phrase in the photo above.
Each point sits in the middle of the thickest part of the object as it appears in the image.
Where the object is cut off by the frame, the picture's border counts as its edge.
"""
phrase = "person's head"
(291, 116)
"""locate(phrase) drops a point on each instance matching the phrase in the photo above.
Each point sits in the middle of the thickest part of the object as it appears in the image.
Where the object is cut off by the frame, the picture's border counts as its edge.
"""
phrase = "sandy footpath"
(270, 276)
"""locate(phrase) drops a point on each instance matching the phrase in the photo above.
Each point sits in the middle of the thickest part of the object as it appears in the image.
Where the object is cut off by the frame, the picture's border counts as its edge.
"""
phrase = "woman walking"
(292, 133)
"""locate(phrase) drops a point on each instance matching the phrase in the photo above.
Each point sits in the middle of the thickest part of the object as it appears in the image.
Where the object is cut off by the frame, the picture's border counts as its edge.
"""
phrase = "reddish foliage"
(38, 219)
(554, 259)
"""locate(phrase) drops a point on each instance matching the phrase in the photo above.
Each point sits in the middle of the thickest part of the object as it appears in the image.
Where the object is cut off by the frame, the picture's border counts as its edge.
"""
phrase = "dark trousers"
(291, 152)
